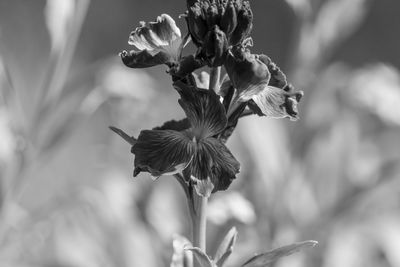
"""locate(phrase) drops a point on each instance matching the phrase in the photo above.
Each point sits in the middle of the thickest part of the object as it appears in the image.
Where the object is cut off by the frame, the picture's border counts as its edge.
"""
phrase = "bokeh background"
(67, 196)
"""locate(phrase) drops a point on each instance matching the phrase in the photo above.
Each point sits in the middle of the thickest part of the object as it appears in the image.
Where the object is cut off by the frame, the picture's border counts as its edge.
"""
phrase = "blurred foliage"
(67, 198)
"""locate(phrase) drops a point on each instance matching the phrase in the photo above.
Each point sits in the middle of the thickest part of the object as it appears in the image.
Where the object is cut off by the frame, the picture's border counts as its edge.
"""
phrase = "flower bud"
(232, 17)
(196, 24)
(216, 47)
(244, 23)
(229, 19)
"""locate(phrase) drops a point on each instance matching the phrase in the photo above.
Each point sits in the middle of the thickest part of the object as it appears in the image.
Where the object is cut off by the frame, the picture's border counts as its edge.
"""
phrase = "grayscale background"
(67, 196)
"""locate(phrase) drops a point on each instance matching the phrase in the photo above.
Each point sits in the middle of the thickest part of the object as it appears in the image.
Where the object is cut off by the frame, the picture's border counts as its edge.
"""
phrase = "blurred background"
(67, 196)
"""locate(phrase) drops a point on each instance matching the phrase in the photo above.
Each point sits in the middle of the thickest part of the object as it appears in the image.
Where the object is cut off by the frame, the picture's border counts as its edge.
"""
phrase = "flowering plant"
(193, 149)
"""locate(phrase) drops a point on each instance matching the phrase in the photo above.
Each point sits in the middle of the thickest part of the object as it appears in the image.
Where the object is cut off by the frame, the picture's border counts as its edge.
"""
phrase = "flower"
(260, 83)
(156, 43)
(217, 25)
(191, 144)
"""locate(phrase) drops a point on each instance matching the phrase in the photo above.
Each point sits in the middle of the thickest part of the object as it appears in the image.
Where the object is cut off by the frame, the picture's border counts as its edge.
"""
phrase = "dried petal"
(278, 78)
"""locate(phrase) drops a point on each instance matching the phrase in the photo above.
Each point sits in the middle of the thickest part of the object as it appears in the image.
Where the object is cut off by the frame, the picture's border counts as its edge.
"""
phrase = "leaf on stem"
(226, 247)
(201, 257)
(131, 140)
(181, 257)
(265, 259)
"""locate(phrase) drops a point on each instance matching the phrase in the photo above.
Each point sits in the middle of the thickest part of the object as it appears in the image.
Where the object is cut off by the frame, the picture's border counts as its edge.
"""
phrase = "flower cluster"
(194, 148)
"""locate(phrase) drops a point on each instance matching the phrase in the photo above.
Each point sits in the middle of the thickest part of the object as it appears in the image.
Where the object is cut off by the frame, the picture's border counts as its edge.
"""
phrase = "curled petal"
(213, 160)
(278, 78)
(162, 152)
(143, 59)
(247, 73)
(155, 35)
(276, 103)
(203, 109)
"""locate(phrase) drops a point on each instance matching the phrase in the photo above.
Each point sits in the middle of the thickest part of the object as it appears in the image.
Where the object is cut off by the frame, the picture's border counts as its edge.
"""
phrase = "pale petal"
(277, 103)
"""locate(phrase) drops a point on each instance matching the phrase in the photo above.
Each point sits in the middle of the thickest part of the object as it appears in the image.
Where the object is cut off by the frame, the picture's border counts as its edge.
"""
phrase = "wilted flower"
(217, 25)
(156, 43)
(190, 144)
(262, 84)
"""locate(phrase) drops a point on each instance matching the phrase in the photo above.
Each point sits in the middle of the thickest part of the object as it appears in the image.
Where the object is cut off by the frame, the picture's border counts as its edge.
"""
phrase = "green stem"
(200, 221)
(214, 78)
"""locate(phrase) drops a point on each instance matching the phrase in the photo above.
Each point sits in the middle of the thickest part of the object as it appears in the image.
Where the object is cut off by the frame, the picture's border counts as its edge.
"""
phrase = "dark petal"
(244, 23)
(203, 109)
(162, 152)
(178, 126)
(278, 78)
(248, 74)
(186, 66)
(215, 47)
(143, 59)
(212, 159)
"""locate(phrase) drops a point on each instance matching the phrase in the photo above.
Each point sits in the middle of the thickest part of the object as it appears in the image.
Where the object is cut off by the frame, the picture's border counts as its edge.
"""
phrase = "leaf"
(181, 257)
(201, 257)
(131, 140)
(265, 259)
(226, 247)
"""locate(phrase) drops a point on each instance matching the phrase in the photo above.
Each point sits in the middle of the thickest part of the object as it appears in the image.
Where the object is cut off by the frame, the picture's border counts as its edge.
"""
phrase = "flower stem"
(214, 78)
(199, 223)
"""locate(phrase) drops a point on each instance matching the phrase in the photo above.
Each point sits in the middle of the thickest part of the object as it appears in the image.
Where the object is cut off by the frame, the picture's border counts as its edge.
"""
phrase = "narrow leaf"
(131, 140)
(201, 257)
(265, 259)
(226, 247)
